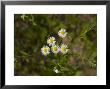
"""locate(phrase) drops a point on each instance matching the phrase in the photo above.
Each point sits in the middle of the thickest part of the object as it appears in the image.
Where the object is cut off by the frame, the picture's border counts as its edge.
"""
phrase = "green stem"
(59, 58)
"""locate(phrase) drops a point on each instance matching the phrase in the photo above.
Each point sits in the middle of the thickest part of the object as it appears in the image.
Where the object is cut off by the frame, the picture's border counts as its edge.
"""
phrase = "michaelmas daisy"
(62, 33)
(64, 49)
(56, 70)
(51, 41)
(45, 50)
(55, 49)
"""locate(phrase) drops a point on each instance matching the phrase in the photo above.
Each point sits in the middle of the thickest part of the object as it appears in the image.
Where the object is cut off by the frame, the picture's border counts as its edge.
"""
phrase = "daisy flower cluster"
(53, 47)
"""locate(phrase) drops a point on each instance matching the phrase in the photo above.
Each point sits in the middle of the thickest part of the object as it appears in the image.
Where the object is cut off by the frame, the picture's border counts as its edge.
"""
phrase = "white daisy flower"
(45, 50)
(62, 33)
(51, 41)
(64, 49)
(55, 49)
(55, 70)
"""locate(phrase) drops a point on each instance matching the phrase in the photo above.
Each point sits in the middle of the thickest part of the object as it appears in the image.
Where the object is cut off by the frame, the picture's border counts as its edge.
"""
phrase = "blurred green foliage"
(31, 32)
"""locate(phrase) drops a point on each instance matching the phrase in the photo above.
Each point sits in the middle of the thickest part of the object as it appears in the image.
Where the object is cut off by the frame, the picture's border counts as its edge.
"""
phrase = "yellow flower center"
(62, 32)
(63, 49)
(51, 40)
(45, 50)
(55, 48)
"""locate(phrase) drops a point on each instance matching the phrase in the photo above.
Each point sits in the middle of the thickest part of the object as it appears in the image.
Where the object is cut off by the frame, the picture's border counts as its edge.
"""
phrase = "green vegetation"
(31, 32)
